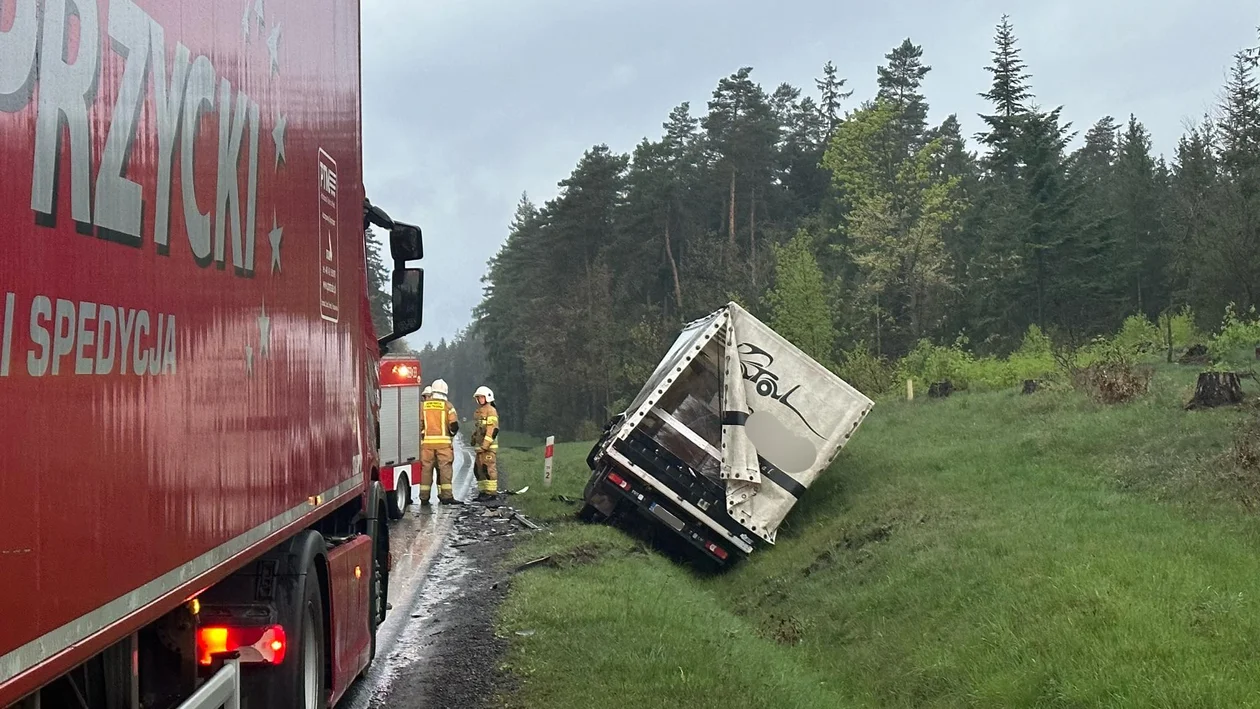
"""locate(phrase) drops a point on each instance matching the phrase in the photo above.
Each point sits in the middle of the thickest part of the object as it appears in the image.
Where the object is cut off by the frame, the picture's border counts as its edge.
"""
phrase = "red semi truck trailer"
(189, 503)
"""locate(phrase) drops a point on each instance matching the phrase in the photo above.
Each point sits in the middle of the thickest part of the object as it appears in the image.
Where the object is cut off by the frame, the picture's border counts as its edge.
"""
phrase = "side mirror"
(406, 243)
(373, 214)
(408, 304)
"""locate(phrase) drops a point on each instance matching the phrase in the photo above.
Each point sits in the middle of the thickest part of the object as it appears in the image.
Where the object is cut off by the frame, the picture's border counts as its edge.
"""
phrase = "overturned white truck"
(725, 436)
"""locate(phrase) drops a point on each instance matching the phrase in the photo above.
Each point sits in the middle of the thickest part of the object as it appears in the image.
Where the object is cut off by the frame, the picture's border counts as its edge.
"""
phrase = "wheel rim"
(310, 662)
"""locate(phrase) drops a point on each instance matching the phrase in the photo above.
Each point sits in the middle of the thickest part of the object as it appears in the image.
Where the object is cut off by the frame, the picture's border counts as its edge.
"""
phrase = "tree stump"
(1196, 354)
(1030, 385)
(1216, 389)
(940, 390)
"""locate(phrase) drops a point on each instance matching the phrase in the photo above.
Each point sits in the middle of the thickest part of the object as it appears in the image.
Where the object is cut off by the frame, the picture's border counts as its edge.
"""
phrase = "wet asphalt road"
(425, 576)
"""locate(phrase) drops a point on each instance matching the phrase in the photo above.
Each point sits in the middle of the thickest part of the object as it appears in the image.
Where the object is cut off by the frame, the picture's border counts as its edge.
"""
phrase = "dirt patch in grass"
(851, 548)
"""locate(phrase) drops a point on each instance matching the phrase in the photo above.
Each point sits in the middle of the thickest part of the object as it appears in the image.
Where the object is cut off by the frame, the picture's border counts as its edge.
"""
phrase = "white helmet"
(484, 391)
(428, 391)
(440, 388)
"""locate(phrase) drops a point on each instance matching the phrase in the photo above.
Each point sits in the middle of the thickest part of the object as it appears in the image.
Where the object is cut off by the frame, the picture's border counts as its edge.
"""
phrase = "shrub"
(871, 375)
(1138, 334)
(1184, 331)
(1238, 338)
(1113, 375)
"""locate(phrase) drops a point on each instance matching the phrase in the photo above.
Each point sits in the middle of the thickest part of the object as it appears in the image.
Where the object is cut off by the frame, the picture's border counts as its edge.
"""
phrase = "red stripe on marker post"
(551, 450)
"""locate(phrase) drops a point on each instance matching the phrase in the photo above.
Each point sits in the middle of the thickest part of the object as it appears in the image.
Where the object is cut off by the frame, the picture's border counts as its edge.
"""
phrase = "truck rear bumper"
(625, 483)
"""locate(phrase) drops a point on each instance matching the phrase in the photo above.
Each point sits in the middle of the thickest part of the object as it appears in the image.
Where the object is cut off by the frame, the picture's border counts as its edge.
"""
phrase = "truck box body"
(399, 450)
(182, 337)
(726, 435)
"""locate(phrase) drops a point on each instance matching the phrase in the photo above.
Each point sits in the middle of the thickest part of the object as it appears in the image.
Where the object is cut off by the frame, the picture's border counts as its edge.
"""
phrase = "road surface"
(436, 646)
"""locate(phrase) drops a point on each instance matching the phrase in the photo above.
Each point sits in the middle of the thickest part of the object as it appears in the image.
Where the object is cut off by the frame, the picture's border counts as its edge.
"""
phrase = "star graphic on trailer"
(277, 135)
(258, 10)
(264, 333)
(277, 233)
(245, 22)
(273, 46)
(249, 360)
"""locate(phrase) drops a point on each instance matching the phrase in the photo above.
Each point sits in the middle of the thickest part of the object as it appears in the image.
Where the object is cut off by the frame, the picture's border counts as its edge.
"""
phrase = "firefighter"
(427, 393)
(438, 425)
(485, 439)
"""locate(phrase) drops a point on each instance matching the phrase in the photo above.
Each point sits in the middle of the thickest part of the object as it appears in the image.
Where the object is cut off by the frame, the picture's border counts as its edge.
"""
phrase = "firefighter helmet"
(484, 391)
(427, 391)
(440, 388)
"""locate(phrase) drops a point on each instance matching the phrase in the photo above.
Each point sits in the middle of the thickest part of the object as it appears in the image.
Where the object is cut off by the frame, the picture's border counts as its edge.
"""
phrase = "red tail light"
(263, 644)
(716, 550)
(619, 481)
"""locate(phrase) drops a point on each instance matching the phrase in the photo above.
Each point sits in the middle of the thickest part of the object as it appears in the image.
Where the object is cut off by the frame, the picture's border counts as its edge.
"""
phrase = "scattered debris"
(524, 633)
(565, 500)
(518, 492)
(526, 521)
(535, 562)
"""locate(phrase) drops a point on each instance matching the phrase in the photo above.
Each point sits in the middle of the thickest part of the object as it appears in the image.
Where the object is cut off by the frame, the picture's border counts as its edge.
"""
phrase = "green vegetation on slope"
(990, 549)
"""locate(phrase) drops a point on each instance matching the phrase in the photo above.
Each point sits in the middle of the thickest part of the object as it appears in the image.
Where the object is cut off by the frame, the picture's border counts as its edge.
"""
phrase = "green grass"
(985, 550)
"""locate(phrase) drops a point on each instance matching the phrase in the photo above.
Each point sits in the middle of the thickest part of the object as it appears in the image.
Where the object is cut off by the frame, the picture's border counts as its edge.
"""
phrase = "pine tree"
(1010, 96)
(830, 87)
(380, 287)
(900, 83)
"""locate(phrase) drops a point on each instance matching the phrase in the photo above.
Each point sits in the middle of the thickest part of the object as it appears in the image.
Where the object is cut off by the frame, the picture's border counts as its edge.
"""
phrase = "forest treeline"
(859, 230)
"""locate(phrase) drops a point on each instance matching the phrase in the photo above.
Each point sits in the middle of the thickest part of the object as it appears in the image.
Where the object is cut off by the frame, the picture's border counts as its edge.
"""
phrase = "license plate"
(666, 516)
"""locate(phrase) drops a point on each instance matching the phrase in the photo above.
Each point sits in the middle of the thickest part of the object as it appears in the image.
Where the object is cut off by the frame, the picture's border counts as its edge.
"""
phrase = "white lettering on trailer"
(35, 49)
(96, 335)
(65, 92)
(229, 187)
(198, 97)
(119, 201)
(328, 301)
(18, 46)
(41, 309)
(170, 109)
(7, 343)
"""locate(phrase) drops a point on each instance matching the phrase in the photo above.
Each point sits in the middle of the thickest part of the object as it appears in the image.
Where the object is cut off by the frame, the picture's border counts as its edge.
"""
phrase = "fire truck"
(190, 495)
(399, 426)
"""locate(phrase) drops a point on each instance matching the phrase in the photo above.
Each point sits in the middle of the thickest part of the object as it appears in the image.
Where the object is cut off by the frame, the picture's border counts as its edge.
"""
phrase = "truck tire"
(378, 601)
(301, 680)
(311, 691)
(400, 498)
(590, 514)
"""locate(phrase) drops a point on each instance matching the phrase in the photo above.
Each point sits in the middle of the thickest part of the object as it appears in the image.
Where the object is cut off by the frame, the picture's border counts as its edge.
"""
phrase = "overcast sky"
(468, 103)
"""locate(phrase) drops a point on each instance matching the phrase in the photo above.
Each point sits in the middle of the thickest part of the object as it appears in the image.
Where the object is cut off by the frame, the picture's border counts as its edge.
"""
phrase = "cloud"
(467, 103)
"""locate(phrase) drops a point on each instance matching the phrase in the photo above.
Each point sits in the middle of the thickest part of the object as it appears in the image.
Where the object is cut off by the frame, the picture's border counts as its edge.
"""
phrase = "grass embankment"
(984, 550)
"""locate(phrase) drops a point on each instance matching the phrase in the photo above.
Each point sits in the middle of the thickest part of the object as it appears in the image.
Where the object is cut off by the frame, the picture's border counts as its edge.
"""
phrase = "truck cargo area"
(723, 438)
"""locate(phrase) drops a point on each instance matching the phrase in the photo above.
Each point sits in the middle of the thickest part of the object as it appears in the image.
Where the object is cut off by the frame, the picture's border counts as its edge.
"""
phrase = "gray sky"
(467, 103)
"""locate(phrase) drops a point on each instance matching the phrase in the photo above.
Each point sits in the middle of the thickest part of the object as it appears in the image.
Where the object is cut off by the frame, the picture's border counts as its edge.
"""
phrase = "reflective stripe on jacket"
(437, 415)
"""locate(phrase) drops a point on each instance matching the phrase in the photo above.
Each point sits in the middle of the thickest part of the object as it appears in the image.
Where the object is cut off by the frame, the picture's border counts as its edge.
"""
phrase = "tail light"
(260, 644)
(619, 481)
(716, 550)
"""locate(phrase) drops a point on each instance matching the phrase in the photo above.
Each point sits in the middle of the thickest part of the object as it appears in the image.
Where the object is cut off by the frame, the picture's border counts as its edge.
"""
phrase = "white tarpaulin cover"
(785, 418)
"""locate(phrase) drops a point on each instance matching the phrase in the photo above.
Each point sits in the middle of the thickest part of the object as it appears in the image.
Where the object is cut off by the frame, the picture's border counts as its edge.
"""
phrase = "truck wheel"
(312, 692)
(398, 499)
(590, 514)
(379, 589)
